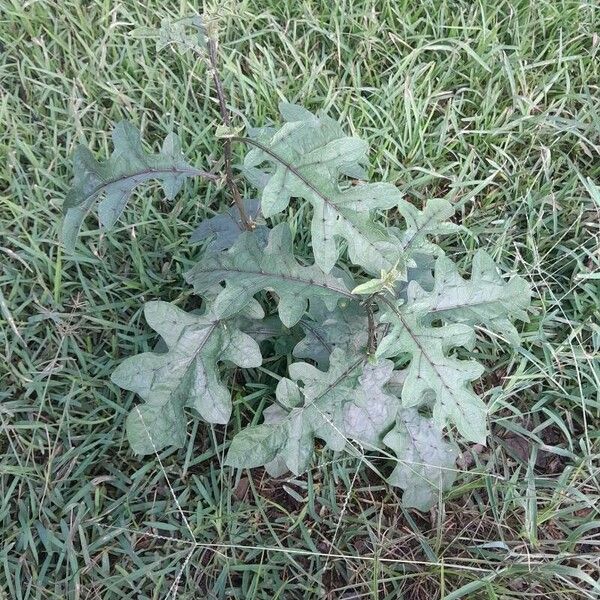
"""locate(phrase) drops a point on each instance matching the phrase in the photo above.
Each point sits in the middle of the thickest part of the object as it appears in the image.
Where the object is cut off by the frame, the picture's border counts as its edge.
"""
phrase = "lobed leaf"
(485, 298)
(309, 155)
(311, 158)
(431, 221)
(116, 178)
(187, 375)
(426, 462)
(249, 267)
(349, 401)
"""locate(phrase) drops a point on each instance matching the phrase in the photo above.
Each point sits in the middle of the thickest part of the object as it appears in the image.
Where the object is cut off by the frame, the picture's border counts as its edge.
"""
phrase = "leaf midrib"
(328, 389)
(289, 278)
(429, 360)
(316, 190)
(212, 328)
(106, 183)
(463, 306)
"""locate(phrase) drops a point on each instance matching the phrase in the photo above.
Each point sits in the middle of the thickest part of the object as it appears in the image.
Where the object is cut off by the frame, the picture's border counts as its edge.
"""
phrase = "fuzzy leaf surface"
(426, 462)
(115, 179)
(431, 369)
(249, 267)
(421, 224)
(486, 298)
(187, 375)
(309, 154)
(349, 401)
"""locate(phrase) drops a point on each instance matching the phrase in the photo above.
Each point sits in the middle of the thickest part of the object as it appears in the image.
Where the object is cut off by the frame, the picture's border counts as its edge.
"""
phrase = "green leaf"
(368, 288)
(485, 298)
(226, 131)
(187, 33)
(431, 369)
(115, 179)
(345, 327)
(348, 401)
(263, 329)
(221, 231)
(426, 462)
(255, 446)
(249, 267)
(372, 409)
(431, 221)
(185, 376)
(421, 272)
(273, 416)
(309, 156)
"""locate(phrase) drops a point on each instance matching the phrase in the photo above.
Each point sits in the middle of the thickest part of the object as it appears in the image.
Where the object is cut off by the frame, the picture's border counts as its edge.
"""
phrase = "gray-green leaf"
(187, 33)
(432, 369)
(255, 446)
(346, 327)
(249, 267)
(420, 224)
(348, 401)
(128, 166)
(309, 155)
(221, 231)
(485, 298)
(185, 376)
(426, 462)
(371, 409)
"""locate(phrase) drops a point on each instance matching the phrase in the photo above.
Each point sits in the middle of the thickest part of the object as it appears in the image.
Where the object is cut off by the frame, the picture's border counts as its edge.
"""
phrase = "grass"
(492, 105)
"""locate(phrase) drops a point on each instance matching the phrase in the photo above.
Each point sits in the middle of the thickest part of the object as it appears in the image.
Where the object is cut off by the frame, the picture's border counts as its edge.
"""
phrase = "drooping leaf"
(309, 156)
(345, 327)
(432, 370)
(185, 376)
(426, 462)
(221, 231)
(249, 267)
(348, 401)
(115, 179)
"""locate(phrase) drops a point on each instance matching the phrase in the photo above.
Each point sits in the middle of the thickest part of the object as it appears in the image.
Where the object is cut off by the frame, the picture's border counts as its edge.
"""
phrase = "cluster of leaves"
(378, 297)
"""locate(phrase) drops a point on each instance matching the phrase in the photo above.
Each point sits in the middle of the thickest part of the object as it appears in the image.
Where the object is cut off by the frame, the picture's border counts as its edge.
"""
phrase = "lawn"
(492, 105)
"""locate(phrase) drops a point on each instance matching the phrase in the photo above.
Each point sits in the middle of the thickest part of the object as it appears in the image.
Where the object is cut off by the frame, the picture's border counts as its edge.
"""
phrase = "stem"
(372, 342)
(227, 152)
